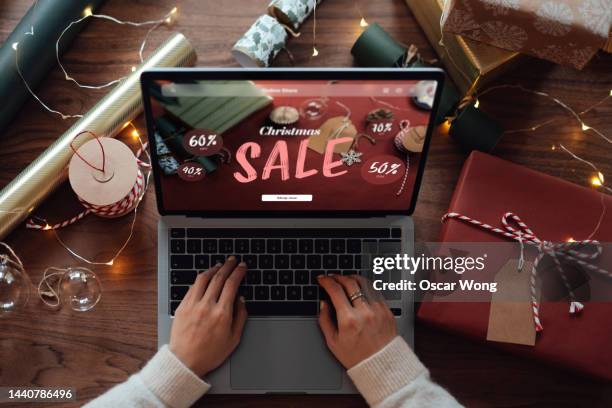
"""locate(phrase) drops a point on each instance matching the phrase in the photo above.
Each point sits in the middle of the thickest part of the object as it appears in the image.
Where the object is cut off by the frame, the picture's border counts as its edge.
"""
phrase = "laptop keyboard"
(283, 263)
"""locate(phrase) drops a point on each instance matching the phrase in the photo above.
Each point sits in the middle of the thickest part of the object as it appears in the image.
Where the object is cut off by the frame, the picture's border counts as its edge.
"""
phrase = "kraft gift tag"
(511, 313)
(333, 128)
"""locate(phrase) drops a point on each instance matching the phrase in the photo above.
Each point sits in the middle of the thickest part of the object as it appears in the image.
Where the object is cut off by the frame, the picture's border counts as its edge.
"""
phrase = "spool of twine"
(106, 178)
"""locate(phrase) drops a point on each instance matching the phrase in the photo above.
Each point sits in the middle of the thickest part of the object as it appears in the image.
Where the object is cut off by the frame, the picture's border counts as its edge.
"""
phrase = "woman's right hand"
(363, 327)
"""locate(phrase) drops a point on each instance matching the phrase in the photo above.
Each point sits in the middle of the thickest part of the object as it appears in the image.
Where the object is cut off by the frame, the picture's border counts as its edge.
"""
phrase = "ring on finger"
(357, 295)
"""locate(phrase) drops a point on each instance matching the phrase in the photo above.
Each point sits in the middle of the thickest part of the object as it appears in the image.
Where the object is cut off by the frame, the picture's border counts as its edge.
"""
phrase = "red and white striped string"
(523, 234)
(398, 140)
(118, 209)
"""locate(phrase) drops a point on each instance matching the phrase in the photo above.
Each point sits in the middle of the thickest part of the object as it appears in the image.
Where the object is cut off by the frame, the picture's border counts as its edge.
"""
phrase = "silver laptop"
(297, 173)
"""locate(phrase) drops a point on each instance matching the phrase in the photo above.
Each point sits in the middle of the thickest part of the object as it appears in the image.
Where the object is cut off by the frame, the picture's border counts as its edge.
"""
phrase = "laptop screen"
(288, 145)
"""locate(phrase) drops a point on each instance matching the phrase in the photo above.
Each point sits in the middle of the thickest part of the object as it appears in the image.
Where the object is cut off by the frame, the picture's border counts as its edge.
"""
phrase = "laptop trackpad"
(284, 355)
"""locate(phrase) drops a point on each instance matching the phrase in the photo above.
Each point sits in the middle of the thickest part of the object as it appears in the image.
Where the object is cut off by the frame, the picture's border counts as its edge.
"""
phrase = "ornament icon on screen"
(313, 109)
(423, 94)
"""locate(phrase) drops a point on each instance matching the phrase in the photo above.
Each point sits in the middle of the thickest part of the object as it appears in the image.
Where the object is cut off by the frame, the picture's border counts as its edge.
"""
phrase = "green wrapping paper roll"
(48, 18)
(474, 130)
(471, 128)
(376, 48)
(22, 195)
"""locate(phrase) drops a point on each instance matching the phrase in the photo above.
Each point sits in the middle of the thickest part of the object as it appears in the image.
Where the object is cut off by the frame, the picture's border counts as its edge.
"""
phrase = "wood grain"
(93, 351)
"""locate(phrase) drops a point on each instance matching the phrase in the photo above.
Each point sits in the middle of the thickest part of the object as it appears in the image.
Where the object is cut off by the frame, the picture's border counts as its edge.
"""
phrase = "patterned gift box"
(470, 64)
(567, 32)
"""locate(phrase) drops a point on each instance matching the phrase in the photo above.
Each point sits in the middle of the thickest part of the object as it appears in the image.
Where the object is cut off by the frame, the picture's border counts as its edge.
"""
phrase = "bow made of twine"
(574, 251)
(50, 295)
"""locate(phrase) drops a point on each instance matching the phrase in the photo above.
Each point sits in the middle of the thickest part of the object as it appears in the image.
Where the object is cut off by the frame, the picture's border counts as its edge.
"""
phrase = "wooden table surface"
(93, 351)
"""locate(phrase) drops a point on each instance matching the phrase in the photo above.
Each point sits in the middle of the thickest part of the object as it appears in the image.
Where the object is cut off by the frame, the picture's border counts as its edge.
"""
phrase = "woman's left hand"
(209, 321)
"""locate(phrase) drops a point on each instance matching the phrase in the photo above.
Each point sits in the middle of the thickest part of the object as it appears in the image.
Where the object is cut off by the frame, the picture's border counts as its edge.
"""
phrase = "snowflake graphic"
(596, 16)
(507, 36)
(554, 19)
(581, 56)
(351, 157)
(460, 21)
(501, 7)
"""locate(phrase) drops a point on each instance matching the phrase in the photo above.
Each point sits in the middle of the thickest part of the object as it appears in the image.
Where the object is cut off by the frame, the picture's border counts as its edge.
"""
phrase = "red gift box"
(556, 211)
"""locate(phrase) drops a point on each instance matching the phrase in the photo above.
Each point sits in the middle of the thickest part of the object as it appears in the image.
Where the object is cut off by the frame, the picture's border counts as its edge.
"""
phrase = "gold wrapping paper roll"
(22, 195)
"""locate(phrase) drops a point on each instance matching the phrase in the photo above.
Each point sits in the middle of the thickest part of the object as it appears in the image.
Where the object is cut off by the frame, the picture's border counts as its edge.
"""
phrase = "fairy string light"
(577, 115)
(600, 177)
(167, 19)
(597, 180)
(362, 23)
(315, 52)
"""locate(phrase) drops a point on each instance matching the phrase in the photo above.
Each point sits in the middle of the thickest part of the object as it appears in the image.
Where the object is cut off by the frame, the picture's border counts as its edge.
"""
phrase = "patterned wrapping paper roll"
(261, 43)
(46, 19)
(292, 12)
(19, 198)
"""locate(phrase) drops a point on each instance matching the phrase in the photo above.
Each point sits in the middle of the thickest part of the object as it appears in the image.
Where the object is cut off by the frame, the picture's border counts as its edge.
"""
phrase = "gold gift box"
(470, 64)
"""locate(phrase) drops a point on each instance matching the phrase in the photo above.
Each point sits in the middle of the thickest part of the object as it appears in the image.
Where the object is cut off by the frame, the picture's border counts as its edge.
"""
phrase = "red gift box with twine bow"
(549, 212)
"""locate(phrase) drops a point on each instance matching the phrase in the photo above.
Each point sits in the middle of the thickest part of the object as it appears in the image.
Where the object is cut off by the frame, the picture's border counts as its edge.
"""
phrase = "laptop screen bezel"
(202, 74)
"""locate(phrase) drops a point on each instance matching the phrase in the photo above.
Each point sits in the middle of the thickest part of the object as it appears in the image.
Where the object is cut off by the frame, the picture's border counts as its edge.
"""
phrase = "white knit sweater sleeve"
(164, 382)
(394, 377)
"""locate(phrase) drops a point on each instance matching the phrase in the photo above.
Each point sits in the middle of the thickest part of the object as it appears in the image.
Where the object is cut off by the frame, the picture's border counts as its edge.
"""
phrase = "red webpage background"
(220, 191)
